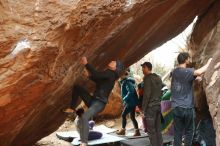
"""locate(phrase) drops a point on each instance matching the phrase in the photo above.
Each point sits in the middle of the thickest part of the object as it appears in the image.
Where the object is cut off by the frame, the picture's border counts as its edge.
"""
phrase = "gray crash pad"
(144, 141)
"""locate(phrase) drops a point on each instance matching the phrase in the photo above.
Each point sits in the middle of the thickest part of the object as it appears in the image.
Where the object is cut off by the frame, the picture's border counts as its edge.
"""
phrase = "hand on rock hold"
(198, 78)
(84, 61)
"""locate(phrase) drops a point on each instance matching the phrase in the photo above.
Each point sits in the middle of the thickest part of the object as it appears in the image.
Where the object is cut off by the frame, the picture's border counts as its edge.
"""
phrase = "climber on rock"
(96, 103)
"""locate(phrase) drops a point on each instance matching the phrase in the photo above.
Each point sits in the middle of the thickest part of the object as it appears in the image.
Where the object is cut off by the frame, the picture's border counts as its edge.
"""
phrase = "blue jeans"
(184, 122)
(82, 122)
(94, 105)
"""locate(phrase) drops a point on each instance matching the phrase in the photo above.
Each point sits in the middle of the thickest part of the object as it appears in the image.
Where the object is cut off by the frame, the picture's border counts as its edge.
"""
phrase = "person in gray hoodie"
(151, 104)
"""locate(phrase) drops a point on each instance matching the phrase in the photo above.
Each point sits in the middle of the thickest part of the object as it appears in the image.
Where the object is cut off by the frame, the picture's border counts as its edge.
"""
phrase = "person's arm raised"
(203, 69)
(92, 71)
(89, 67)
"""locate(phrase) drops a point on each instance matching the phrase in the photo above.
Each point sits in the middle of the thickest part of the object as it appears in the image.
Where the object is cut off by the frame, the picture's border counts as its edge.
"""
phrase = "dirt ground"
(52, 140)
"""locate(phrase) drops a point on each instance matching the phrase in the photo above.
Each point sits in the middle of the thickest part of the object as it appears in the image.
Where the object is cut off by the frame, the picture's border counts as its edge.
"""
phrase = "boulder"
(41, 43)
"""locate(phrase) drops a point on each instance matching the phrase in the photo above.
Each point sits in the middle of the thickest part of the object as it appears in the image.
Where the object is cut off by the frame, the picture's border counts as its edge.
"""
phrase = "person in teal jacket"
(130, 101)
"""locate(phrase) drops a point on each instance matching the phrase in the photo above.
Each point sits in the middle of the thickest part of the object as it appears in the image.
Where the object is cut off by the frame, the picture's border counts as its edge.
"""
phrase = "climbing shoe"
(137, 132)
(121, 132)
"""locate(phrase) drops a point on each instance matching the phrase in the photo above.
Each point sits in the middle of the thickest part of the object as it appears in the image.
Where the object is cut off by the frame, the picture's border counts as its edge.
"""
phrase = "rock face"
(114, 106)
(205, 44)
(41, 43)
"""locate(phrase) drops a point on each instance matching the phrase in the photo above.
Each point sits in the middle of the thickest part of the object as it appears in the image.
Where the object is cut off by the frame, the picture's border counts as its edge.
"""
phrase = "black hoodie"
(104, 80)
